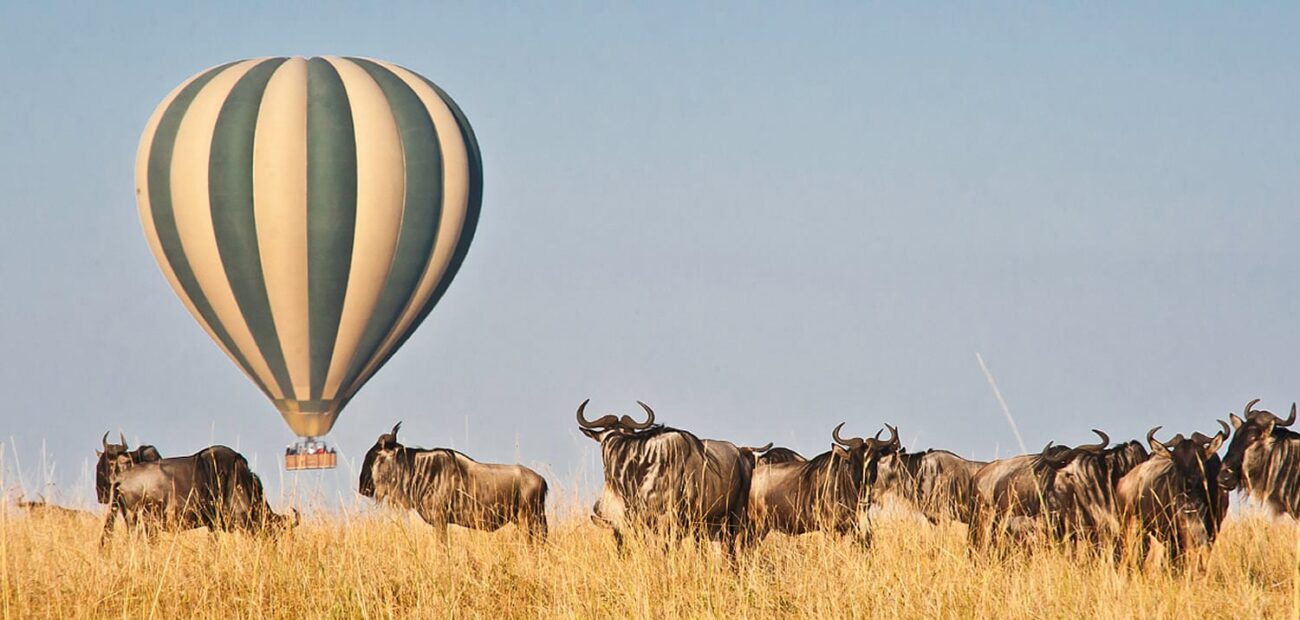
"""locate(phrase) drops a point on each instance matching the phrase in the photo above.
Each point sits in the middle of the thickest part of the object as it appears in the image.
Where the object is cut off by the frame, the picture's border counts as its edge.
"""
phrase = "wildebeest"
(1012, 495)
(831, 492)
(211, 488)
(445, 487)
(938, 483)
(667, 481)
(114, 457)
(1083, 491)
(1175, 496)
(1264, 459)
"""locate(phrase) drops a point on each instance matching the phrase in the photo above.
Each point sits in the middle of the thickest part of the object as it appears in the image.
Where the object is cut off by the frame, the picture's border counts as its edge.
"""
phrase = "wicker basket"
(323, 460)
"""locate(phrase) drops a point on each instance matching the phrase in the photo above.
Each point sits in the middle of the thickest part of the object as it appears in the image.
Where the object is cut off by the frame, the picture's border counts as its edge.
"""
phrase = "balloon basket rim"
(310, 455)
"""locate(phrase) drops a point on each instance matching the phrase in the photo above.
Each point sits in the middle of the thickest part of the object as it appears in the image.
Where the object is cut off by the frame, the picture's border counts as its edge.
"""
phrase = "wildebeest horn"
(1289, 419)
(876, 443)
(122, 438)
(1226, 430)
(762, 448)
(1245, 413)
(1154, 443)
(1096, 447)
(104, 442)
(395, 428)
(1058, 459)
(852, 443)
(649, 420)
(602, 422)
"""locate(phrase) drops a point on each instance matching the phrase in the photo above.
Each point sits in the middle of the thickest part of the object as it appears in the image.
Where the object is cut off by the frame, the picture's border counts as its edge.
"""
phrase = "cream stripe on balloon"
(381, 185)
(455, 203)
(193, 211)
(280, 212)
(146, 212)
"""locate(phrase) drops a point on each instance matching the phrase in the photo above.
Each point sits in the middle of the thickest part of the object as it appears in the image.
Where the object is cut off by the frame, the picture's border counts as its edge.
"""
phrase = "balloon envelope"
(309, 213)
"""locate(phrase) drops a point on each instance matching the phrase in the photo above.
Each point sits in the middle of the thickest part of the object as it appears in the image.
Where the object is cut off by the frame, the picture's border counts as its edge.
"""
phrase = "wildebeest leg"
(434, 517)
(113, 505)
(862, 529)
(535, 524)
(864, 538)
(618, 540)
(151, 530)
(1141, 546)
(1174, 547)
(976, 531)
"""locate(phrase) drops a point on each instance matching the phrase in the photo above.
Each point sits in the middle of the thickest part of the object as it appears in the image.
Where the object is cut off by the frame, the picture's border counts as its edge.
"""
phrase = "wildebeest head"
(117, 457)
(892, 469)
(1194, 458)
(1255, 433)
(607, 425)
(863, 455)
(379, 462)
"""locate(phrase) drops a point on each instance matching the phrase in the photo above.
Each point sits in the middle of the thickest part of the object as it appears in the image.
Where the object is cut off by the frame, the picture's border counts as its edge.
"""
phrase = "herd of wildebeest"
(668, 483)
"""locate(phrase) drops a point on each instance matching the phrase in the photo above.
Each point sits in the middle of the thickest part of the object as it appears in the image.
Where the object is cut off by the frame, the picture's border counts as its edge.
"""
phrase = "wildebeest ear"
(1214, 445)
(1236, 421)
(98, 454)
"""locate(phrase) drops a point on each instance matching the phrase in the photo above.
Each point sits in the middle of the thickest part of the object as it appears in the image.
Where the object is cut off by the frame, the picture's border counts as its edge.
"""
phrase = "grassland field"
(367, 563)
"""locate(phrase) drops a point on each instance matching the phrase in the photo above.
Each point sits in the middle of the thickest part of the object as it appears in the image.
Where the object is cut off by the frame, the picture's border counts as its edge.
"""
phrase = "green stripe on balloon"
(472, 209)
(331, 211)
(474, 203)
(421, 213)
(230, 193)
(164, 217)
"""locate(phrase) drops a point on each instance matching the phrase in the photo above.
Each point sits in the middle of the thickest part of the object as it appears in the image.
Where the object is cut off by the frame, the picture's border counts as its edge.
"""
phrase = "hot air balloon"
(309, 213)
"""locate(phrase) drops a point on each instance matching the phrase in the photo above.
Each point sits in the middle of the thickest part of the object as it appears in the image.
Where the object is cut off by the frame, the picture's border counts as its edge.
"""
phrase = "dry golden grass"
(387, 565)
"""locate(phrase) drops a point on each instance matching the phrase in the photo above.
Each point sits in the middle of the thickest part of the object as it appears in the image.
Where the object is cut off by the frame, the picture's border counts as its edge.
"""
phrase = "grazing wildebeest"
(446, 487)
(938, 483)
(1264, 459)
(1012, 495)
(831, 492)
(114, 457)
(1174, 496)
(668, 482)
(212, 488)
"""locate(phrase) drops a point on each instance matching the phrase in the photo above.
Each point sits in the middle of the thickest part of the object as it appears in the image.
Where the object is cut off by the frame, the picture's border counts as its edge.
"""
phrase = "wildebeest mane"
(1275, 479)
(829, 472)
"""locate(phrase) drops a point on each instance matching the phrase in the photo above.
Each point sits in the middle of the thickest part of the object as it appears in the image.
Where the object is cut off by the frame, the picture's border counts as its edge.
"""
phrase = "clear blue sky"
(761, 220)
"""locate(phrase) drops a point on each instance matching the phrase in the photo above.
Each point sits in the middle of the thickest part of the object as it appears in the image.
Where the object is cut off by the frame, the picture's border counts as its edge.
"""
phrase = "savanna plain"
(367, 563)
